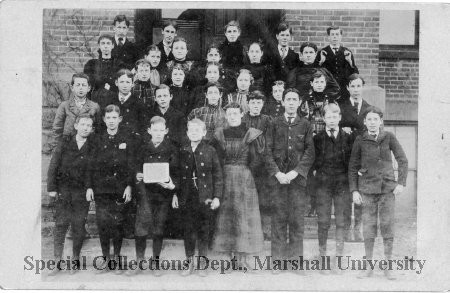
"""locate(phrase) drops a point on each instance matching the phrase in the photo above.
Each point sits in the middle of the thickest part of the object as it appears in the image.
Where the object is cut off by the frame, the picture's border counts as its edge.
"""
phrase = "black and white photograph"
(225, 146)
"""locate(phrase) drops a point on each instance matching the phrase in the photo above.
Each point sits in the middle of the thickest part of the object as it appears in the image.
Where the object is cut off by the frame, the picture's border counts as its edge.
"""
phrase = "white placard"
(156, 172)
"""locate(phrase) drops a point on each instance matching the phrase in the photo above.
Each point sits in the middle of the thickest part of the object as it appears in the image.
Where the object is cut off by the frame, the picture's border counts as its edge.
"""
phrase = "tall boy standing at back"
(124, 50)
(169, 32)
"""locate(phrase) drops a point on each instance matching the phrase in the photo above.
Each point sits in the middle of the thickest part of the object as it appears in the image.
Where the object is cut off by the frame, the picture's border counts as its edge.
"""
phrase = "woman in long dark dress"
(238, 229)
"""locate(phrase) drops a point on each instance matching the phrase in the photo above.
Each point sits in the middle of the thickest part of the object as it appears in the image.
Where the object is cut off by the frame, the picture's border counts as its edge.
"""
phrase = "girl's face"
(243, 81)
(143, 72)
(178, 77)
(234, 116)
(213, 95)
(154, 57)
(212, 73)
(213, 55)
(277, 92)
(255, 53)
(232, 33)
(179, 50)
(319, 84)
(309, 55)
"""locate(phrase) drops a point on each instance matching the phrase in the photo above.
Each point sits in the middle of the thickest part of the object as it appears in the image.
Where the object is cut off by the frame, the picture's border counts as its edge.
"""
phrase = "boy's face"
(243, 81)
(158, 131)
(106, 46)
(112, 120)
(124, 84)
(332, 119)
(163, 98)
(234, 117)
(291, 103)
(232, 33)
(169, 33)
(179, 50)
(213, 55)
(154, 57)
(143, 72)
(121, 29)
(213, 95)
(373, 122)
(255, 106)
(84, 127)
(212, 73)
(283, 38)
(277, 92)
(309, 55)
(195, 132)
(335, 37)
(318, 84)
(80, 87)
(355, 88)
(178, 77)
(255, 53)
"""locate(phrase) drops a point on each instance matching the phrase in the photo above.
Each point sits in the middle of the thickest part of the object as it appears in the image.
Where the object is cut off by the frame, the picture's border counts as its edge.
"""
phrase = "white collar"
(335, 133)
(125, 98)
(376, 133)
(288, 116)
(279, 48)
(333, 47)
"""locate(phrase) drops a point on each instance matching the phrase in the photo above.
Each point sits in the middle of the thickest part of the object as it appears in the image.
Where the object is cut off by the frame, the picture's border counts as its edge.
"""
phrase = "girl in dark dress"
(238, 229)
(261, 72)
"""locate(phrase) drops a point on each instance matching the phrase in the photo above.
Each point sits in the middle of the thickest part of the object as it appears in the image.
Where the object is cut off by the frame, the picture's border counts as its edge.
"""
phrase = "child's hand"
(347, 130)
(127, 194)
(215, 203)
(291, 175)
(89, 194)
(357, 199)
(281, 177)
(139, 177)
(167, 185)
(323, 57)
(175, 201)
(107, 86)
(52, 193)
(398, 190)
(348, 57)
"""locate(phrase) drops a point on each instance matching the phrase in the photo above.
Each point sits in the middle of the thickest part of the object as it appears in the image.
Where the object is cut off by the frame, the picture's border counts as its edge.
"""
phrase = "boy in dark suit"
(69, 181)
(352, 122)
(169, 32)
(154, 198)
(201, 185)
(289, 156)
(333, 148)
(338, 59)
(281, 57)
(125, 51)
(372, 182)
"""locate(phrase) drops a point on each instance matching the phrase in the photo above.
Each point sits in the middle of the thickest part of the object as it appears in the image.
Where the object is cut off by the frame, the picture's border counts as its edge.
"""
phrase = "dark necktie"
(332, 130)
(356, 105)
(283, 52)
(374, 136)
(291, 119)
(120, 42)
(335, 50)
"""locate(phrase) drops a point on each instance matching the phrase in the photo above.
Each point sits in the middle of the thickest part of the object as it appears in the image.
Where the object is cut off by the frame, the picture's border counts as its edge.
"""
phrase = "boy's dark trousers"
(311, 191)
(110, 218)
(331, 188)
(71, 209)
(289, 205)
(197, 219)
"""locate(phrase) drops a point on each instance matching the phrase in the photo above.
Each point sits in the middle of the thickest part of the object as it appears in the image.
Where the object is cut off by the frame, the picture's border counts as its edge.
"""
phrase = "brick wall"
(400, 78)
(361, 31)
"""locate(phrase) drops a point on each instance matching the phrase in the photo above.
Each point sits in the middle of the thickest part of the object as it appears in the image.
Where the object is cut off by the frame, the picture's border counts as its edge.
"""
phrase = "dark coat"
(101, 72)
(263, 77)
(175, 122)
(272, 107)
(280, 67)
(135, 116)
(232, 54)
(209, 172)
(166, 152)
(344, 148)
(337, 65)
(300, 78)
(182, 100)
(69, 166)
(352, 119)
(113, 163)
(289, 147)
(373, 160)
(164, 57)
(127, 54)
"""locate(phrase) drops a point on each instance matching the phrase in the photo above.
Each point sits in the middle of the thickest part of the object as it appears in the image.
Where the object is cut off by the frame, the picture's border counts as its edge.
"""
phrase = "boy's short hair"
(331, 107)
(234, 105)
(291, 90)
(162, 87)
(243, 70)
(332, 28)
(232, 23)
(120, 18)
(282, 27)
(142, 62)
(83, 116)
(214, 84)
(80, 75)
(373, 109)
(279, 83)
(112, 108)
(105, 36)
(156, 120)
(256, 95)
(308, 44)
(197, 122)
(124, 71)
(318, 74)
(355, 76)
(152, 48)
(170, 22)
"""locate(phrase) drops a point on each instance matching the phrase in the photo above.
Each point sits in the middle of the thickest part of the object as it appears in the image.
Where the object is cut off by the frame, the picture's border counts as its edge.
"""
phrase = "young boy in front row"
(332, 148)
(154, 199)
(372, 183)
(201, 185)
(69, 182)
